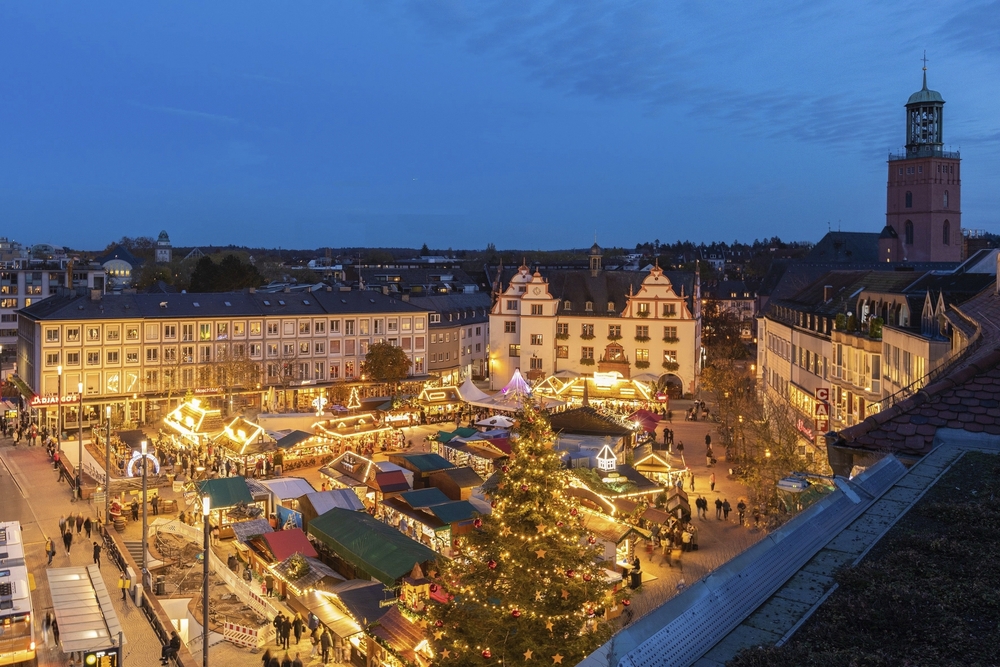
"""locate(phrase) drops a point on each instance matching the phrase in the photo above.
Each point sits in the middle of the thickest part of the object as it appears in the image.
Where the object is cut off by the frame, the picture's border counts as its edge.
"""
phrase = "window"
(169, 354)
(587, 330)
(152, 355)
(288, 349)
(93, 358)
(349, 368)
(509, 326)
(378, 328)
(320, 328)
(319, 347)
(187, 333)
(222, 331)
(908, 233)
(642, 332)
(131, 333)
(52, 359)
(152, 332)
(536, 309)
(567, 305)
(239, 329)
(72, 334)
(418, 364)
(8, 303)
(536, 339)
(479, 331)
(288, 328)
(349, 330)
(187, 354)
(535, 363)
(514, 351)
(586, 353)
(255, 350)
(93, 334)
(304, 347)
(642, 354)
(562, 329)
(669, 334)
(614, 331)
(435, 318)
(52, 335)
(611, 306)
(170, 331)
(255, 328)
(206, 354)
(113, 356)
(946, 233)
(318, 368)
(272, 328)
(562, 351)
(946, 199)
(272, 350)
(669, 309)
(204, 332)
(72, 358)
(334, 328)
(303, 328)
(643, 309)
(511, 304)
(131, 356)
(589, 306)
(909, 199)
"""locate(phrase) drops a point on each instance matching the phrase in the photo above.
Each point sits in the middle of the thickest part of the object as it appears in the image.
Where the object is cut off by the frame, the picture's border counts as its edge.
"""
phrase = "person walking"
(726, 508)
(269, 585)
(286, 661)
(691, 477)
(297, 626)
(708, 440)
(718, 509)
(55, 631)
(79, 523)
(741, 507)
(124, 584)
(46, 627)
(50, 549)
(155, 502)
(286, 632)
(711, 481)
(97, 554)
(88, 526)
(68, 540)
(62, 524)
(277, 628)
(298, 660)
(709, 457)
(135, 510)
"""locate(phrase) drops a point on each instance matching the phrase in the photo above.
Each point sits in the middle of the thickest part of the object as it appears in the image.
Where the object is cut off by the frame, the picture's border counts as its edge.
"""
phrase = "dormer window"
(611, 306)
(589, 306)
(567, 305)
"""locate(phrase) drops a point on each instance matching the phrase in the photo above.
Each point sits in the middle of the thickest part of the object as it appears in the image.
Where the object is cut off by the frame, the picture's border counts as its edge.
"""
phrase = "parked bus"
(17, 628)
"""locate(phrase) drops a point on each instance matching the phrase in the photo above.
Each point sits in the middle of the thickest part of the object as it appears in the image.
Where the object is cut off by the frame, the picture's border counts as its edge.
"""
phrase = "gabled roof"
(370, 545)
(845, 247)
(464, 477)
(284, 543)
(586, 421)
(454, 511)
(288, 487)
(422, 498)
(324, 501)
(393, 481)
(119, 252)
(244, 530)
(361, 599)
(421, 462)
(225, 491)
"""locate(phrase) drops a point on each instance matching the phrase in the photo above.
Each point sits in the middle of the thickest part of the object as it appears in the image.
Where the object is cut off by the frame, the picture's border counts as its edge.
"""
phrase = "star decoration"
(549, 625)
(527, 654)
(446, 654)
(538, 596)
(557, 659)
(540, 527)
(540, 553)
(565, 594)
(438, 635)
(501, 485)
(423, 622)
(506, 531)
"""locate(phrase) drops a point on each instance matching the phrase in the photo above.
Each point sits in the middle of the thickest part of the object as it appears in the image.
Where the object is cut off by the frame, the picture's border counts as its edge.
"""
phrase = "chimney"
(95, 295)
(827, 293)
(385, 290)
(406, 297)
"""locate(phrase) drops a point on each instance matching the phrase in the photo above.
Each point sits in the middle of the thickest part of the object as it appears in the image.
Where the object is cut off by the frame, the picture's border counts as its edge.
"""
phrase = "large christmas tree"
(527, 584)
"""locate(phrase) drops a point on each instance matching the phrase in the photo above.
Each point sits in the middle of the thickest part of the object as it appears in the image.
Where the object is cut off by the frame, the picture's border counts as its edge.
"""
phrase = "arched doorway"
(671, 385)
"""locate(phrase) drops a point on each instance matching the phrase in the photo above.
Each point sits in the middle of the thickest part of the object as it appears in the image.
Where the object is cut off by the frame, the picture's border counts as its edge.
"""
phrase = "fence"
(245, 635)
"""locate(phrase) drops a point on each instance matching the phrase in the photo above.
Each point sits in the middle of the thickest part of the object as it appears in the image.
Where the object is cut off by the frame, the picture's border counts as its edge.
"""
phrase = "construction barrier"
(246, 636)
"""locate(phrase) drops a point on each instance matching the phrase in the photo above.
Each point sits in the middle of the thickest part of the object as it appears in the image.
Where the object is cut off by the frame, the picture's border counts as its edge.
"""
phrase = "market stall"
(440, 403)
(363, 433)
(193, 423)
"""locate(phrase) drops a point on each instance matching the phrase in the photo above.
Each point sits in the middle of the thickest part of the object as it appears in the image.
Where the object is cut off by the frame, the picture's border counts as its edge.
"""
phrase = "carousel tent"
(470, 393)
(496, 421)
(513, 395)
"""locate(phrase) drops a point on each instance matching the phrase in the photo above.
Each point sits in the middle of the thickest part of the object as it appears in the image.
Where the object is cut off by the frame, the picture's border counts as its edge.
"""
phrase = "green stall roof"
(370, 545)
(225, 491)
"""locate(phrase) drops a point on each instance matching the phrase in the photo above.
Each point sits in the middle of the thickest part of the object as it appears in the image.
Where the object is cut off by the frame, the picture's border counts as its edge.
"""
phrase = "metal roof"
(288, 487)
(87, 619)
(225, 491)
(424, 497)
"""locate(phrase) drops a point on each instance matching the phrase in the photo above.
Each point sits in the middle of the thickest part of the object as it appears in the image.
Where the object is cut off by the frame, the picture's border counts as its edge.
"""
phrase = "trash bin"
(161, 586)
(635, 579)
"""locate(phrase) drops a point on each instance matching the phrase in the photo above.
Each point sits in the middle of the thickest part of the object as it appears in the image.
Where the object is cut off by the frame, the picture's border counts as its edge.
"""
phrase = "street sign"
(822, 410)
(107, 657)
(823, 394)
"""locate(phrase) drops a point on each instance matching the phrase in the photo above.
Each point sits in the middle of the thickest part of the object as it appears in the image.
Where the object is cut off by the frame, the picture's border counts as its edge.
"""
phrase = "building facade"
(139, 352)
(586, 321)
(459, 339)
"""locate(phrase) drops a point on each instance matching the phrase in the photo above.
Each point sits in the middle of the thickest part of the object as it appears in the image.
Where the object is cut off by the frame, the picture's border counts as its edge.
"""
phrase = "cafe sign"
(42, 400)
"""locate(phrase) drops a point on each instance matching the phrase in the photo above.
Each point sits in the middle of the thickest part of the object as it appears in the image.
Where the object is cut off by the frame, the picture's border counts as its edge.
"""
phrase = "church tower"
(923, 202)
(164, 251)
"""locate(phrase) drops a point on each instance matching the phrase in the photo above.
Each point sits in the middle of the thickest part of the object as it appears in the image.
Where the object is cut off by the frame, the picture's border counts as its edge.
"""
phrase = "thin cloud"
(188, 113)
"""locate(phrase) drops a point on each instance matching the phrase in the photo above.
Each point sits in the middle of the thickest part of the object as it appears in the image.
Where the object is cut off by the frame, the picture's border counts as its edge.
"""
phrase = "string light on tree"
(354, 401)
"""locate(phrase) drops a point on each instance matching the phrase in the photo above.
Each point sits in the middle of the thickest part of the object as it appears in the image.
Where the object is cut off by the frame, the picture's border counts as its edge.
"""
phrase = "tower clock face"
(537, 290)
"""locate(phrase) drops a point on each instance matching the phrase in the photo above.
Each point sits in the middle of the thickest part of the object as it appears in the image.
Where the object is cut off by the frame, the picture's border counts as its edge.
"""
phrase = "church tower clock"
(923, 200)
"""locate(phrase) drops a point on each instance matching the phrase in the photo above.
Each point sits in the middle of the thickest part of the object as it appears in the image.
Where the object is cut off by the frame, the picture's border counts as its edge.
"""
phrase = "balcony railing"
(924, 151)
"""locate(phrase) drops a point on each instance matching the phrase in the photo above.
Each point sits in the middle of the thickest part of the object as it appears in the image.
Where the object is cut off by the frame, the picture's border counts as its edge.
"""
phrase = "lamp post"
(107, 470)
(145, 555)
(79, 467)
(206, 507)
(59, 410)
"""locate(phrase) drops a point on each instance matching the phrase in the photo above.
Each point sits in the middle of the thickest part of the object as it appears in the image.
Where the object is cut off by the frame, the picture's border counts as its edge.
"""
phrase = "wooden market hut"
(318, 503)
(421, 465)
(358, 545)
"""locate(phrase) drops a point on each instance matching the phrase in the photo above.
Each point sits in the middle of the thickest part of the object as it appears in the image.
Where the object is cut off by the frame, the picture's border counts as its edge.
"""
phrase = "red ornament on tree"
(592, 540)
(434, 588)
(487, 653)
(574, 512)
(516, 613)
(477, 523)
(587, 577)
(439, 623)
(506, 468)
(570, 573)
(559, 524)
(626, 602)
(493, 504)
(524, 487)
(492, 564)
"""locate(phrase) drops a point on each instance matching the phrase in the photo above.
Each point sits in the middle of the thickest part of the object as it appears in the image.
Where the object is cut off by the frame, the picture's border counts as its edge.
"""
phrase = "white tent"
(499, 421)
(470, 393)
(513, 395)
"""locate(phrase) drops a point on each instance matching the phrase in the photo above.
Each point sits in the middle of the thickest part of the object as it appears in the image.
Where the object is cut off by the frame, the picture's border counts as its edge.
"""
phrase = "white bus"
(17, 628)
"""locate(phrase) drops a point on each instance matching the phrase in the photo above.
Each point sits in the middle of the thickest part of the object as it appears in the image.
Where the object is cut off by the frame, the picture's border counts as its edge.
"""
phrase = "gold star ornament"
(527, 654)
(446, 654)
(506, 531)
(438, 635)
(549, 625)
(557, 659)
(565, 594)
(540, 527)
(540, 553)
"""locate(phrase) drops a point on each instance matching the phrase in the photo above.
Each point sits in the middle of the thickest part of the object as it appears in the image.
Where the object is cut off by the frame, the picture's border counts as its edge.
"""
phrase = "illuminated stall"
(597, 388)
(440, 403)
(193, 423)
(360, 433)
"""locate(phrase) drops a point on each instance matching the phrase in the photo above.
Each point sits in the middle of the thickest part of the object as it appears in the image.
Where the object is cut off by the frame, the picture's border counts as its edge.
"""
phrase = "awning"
(225, 491)
(322, 605)
(87, 620)
(293, 438)
(22, 386)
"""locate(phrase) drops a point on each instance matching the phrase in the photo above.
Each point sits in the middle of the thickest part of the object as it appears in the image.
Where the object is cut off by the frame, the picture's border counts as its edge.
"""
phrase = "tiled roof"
(586, 421)
(285, 543)
(845, 247)
(464, 477)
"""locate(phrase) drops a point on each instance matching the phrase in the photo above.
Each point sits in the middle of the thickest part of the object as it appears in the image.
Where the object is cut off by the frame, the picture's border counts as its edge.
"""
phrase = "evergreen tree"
(526, 584)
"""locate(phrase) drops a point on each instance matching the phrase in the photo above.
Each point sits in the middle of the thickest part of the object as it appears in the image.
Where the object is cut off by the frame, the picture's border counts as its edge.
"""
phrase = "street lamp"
(145, 555)
(59, 410)
(79, 467)
(206, 507)
(107, 470)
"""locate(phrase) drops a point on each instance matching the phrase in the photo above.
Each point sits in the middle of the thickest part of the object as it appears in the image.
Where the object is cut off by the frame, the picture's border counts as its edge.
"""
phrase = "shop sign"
(53, 399)
(208, 390)
(805, 430)
(822, 410)
(823, 394)
(822, 425)
(662, 398)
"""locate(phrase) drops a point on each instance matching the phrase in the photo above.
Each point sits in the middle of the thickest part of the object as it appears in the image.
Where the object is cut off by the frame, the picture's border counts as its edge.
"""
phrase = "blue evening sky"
(524, 124)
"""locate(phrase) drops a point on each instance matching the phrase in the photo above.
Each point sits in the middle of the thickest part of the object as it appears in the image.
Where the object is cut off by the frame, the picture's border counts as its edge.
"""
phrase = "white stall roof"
(87, 620)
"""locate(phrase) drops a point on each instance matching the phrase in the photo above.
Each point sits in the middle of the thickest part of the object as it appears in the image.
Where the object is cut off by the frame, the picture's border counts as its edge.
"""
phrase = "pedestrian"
(135, 510)
(62, 524)
(50, 549)
(686, 540)
(711, 481)
(297, 626)
(298, 660)
(55, 631)
(269, 585)
(680, 449)
(155, 502)
(286, 632)
(324, 643)
(726, 508)
(124, 584)
(708, 440)
(68, 540)
(756, 518)
(718, 509)
(741, 507)
(691, 475)
(277, 628)
(266, 659)
(88, 526)
(286, 661)
(97, 554)
(46, 627)
(79, 523)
